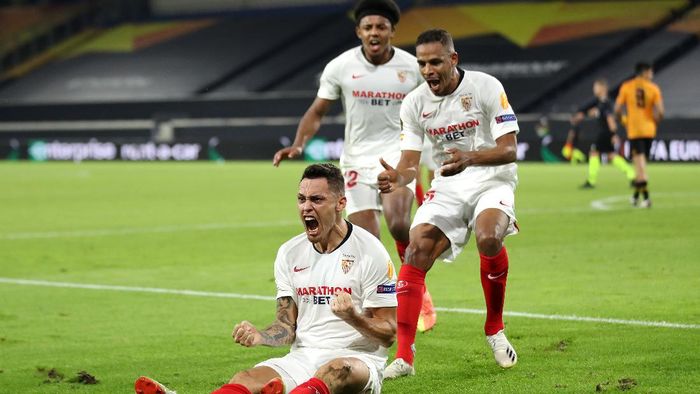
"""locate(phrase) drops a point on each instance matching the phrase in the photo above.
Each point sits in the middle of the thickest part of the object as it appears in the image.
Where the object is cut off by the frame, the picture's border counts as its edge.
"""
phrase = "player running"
(371, 80)
(467, 118)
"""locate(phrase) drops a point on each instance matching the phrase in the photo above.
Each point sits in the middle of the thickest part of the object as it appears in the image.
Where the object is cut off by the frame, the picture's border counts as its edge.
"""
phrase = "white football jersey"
(469, 119)
(371, 97)
(360, 266)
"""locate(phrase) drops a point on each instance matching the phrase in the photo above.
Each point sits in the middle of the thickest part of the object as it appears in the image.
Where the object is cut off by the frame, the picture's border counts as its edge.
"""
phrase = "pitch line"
(197, 293)
(141, 230)
(644, 323)
(612, 202)
(133, 289)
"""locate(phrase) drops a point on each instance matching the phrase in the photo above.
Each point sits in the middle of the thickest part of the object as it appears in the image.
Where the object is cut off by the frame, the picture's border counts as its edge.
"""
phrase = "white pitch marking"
(604, 204)
(578, 318)
(196, 293)
(141, 230)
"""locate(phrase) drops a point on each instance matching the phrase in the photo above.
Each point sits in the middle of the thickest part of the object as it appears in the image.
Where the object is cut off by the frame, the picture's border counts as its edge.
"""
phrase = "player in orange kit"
(641, 99)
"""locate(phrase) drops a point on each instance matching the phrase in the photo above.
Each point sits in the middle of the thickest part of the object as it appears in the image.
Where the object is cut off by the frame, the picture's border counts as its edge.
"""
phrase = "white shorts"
(361, 186)
(452, 205)
(301, 364)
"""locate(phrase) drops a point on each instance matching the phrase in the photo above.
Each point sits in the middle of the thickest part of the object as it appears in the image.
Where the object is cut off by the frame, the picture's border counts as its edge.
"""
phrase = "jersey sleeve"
(283, 280)
(620, 100)
(500, 114)
(379, 279)
(657, 95)
(411, 132)
(329, 88)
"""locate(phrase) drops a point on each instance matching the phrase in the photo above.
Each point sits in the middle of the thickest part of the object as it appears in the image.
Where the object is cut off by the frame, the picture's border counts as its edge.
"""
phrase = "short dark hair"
(641, 67)
(385, 8)
(330, 173)
(436, 35)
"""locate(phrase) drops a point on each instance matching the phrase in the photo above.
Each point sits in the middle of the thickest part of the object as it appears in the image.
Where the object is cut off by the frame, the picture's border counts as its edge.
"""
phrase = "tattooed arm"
(281, 332)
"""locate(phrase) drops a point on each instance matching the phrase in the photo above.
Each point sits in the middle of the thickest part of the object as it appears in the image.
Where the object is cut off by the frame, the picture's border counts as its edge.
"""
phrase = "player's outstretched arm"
(281, 332)
(309, 125)
(405, 172)
(377, 324)
(505, 152)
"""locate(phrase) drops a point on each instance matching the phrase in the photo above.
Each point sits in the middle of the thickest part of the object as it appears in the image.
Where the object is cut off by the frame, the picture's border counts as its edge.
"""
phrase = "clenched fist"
(456, 162)
(342, 306)
(246, 334)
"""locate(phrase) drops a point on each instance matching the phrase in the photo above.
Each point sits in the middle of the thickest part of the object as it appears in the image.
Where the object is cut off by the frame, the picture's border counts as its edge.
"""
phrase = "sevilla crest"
(466, 101)
(402, 75)
(346, 263)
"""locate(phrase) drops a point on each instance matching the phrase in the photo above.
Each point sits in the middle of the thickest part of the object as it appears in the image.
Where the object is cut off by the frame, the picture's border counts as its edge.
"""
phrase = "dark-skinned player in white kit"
(472, 128)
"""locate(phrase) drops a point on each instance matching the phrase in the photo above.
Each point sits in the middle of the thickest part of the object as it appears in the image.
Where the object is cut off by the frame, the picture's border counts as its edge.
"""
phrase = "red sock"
(311, 386)
(409, 292)
(419, 193)
(401, 249)
(232, 389)
(494, 272)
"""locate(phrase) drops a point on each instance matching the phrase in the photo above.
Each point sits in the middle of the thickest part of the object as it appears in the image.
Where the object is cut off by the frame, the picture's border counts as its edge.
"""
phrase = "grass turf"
(209, 227)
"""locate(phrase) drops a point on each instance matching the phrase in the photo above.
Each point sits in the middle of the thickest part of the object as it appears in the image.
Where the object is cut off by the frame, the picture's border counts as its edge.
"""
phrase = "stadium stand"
(33, 31)
(229, 78)
(156, 61)
(219, 58)
(679, 78)
(680, 87)
(283, 67)
(651, 45)
(547, 44)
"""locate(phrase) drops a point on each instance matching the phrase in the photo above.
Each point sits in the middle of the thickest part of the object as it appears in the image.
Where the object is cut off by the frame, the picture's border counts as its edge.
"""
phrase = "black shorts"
(603, 143)
(641, 145)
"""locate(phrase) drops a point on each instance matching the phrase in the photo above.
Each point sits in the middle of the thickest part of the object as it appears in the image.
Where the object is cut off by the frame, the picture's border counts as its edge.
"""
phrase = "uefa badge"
(504, 100)
(390, 270)
(346, 263)
(466, 101)
(402, 75)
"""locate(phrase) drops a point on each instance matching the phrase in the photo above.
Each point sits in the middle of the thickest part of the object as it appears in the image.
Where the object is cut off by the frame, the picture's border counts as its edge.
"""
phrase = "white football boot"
(503, 351)
(398, 368)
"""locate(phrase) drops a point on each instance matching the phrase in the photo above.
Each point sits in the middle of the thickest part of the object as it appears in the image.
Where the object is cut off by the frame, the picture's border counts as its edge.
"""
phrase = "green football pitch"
(116, 270)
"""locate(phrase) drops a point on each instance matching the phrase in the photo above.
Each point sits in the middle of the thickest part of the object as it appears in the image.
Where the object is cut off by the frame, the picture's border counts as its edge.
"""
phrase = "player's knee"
(335, 372)
(245, 378)
(398, 227)
(489, 245)
(418, 254)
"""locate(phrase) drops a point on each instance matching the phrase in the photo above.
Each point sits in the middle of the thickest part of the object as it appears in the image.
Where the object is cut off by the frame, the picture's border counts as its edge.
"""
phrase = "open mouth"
(311, 225)
(433, 83)
(375, 44)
